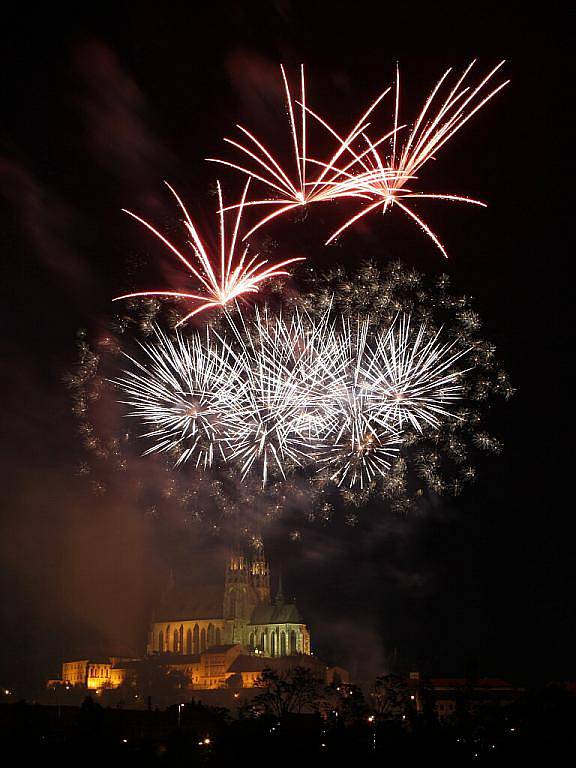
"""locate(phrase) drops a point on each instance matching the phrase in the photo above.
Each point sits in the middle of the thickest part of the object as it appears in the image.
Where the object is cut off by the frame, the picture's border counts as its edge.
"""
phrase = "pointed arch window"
(189, 641)
(196, 640)
(282, 643)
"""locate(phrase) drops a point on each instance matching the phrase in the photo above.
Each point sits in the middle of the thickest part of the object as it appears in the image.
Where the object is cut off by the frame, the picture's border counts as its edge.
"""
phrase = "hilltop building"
(216, 636)
(191, 621)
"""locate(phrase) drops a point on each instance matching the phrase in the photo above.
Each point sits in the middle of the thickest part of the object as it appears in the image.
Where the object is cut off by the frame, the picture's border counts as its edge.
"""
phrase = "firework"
(442, 458)
(285, 392)
(300, 187)
(363, 439)
(224, 277)
(387, 176)
(283, 406)
(413, 377)
(179, 395)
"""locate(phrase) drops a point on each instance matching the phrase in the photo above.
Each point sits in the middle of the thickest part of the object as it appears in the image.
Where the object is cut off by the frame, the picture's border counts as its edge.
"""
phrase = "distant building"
(95, 674)
(216, 637)
(449, 693)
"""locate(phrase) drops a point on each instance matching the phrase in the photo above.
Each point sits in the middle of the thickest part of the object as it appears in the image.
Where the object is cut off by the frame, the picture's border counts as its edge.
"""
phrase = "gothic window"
(282, 643)
(203, 640)
(161, 641)
(167, 636)
(264, 641)
(175, 641)
(273, 644)
(251, 640)
(189, 641)
(210, 635)
(293, 646)
(181, 639)
(196, 643)
(218, 636)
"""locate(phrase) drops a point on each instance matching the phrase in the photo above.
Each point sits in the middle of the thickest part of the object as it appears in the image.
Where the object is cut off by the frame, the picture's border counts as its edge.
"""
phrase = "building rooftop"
(461, 682)
(192, 602)
(285, 613)
(245, 663)
(220, 648)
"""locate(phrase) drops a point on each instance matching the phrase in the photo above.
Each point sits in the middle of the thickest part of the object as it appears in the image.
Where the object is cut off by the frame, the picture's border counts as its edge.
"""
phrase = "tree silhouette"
(287, 692)
(391, 697)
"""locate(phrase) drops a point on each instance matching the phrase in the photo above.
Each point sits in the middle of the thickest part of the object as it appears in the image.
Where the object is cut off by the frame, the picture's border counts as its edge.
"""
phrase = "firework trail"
(281, 393)
(382, 172)
(387, 177)
(223, 277)
(299, 188)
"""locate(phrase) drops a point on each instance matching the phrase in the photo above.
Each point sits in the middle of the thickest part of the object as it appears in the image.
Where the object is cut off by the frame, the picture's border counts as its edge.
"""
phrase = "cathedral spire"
(260, 574)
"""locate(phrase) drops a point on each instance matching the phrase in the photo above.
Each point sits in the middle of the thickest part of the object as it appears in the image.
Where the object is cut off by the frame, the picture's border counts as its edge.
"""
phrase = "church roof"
(220, 648)
(192, 602)
(285, 613)
(244, 663)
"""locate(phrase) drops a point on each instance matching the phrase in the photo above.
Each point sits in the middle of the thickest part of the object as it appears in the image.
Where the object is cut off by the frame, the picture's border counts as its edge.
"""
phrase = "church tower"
(240, 597)
(261, 576)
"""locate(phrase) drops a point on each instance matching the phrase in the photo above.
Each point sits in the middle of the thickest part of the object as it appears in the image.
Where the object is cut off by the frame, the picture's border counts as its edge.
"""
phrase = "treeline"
(295, 716)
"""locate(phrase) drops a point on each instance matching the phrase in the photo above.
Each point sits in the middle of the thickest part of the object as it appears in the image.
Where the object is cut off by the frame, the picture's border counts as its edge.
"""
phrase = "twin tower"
(246, 616)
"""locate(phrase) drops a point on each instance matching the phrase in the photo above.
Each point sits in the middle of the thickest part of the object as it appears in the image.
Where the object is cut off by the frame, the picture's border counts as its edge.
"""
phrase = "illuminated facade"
(216, 637)
(94, 675)
(244, 615)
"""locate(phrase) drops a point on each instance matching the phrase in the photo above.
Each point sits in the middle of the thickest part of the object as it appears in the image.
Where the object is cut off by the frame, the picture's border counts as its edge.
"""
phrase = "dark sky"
(97, 109)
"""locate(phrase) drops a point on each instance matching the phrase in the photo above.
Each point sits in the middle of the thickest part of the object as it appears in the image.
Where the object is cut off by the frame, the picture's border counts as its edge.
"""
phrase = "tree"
(288, 692)
(345, 702)
(391, 697)
(163, 685)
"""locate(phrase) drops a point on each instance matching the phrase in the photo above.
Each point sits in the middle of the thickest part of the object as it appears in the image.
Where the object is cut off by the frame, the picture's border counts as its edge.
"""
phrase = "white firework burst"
(283, 407)
(413, 375)
(360, 442)
(179, 394)
(281, 392)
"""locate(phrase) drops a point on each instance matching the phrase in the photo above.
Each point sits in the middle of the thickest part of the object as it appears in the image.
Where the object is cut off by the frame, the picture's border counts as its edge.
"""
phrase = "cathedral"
(218, 637)
(243, 613)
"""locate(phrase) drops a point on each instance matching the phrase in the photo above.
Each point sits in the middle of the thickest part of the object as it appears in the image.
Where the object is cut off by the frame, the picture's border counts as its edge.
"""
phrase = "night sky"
(96, 110)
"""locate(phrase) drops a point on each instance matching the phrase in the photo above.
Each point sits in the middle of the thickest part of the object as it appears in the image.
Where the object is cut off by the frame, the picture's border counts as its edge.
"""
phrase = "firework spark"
(179, 395)
(284, 407)
(224, 277)
(286, 392)
(363, 439)
(413, 377)
(387, 177)
(299, 188)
